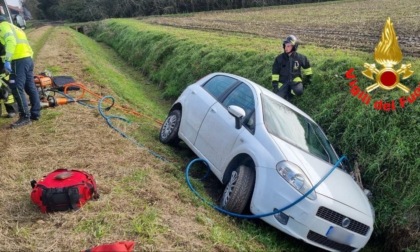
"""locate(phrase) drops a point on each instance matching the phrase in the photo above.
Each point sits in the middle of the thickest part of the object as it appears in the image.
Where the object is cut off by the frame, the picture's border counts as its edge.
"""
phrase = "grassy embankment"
(234, 234)
(384, 144)
(142, 198)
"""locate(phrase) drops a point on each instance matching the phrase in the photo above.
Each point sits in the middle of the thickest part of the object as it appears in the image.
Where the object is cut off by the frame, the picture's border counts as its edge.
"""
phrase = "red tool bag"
(63, 190)
(122, 246)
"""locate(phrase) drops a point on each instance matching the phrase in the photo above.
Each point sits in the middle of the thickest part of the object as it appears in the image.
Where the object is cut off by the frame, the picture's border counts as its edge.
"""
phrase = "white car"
(269, 153)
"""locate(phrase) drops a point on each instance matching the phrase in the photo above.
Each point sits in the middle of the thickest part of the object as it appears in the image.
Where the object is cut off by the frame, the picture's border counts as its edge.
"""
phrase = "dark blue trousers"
(22, 81)
(285, 91)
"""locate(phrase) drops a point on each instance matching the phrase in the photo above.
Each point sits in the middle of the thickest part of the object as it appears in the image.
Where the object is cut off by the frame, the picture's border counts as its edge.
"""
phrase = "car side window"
(218, 85)
(243, 97)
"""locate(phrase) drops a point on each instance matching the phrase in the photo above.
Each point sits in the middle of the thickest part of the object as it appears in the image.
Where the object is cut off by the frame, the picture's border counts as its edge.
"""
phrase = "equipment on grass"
(63, 190)
(53, 101)
(122, 246)
(46, 84)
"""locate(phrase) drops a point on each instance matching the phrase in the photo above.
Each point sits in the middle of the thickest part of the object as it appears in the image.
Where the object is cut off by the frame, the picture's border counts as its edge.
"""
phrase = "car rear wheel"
(238, 191)
(169, 131)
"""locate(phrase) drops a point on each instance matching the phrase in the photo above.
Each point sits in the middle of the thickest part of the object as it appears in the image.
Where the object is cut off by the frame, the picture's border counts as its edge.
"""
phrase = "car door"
(217, 133)
(198, 102)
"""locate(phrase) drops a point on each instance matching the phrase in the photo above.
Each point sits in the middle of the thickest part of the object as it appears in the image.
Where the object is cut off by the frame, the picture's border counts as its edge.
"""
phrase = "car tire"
(169, 131)
(238, 190)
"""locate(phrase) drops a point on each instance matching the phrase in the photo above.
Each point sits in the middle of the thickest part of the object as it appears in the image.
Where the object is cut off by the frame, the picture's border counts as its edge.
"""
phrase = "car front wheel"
(239, 190)
(169, 131)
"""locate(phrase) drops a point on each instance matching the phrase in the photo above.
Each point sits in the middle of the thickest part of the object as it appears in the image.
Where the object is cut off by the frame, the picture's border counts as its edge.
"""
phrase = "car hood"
(338, 186)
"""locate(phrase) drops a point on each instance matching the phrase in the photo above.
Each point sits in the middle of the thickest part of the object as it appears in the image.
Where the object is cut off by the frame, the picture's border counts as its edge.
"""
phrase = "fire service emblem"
(388, 54)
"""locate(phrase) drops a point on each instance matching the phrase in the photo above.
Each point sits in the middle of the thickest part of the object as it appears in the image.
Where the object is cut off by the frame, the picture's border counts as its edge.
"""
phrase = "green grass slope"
(384, 144)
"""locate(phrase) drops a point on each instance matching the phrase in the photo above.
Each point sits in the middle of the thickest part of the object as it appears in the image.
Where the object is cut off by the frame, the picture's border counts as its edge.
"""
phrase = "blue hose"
(108, 121)
(108, 118)
(187, 171)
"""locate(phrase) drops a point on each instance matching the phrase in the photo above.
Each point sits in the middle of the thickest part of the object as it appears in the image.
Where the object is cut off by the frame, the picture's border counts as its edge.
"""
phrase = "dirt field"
(354, 24)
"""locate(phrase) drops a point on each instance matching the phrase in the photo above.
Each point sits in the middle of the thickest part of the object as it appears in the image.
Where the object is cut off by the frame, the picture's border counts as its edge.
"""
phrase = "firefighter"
(18, 62)
(291, 70)
(7, 98)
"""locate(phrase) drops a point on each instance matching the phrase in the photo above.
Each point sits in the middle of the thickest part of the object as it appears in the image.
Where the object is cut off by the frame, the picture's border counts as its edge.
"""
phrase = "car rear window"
(217, 85)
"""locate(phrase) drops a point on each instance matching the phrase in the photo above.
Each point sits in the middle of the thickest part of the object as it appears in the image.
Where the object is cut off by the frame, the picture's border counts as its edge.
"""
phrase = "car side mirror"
(20, 21)
(238, 113)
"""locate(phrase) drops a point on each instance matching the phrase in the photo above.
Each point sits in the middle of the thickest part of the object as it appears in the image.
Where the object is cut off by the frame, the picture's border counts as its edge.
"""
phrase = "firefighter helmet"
(292, 40)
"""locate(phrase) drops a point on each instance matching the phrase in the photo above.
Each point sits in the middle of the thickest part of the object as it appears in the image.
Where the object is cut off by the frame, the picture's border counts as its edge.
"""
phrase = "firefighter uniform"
(18, 60)
(7, 98)
(290, 71)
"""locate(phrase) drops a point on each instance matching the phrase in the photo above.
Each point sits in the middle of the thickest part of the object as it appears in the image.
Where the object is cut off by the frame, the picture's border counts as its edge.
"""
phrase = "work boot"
(34, 118)
(21, 122)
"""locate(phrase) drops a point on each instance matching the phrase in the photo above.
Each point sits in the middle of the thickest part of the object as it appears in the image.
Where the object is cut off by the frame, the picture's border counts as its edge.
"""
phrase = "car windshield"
(284, 123)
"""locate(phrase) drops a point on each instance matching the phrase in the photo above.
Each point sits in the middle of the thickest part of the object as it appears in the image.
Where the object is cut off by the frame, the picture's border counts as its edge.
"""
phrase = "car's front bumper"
(322, 222)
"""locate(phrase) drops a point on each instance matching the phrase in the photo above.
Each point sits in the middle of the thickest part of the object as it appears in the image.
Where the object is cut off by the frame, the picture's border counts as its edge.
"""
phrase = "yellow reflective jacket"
(15, 42)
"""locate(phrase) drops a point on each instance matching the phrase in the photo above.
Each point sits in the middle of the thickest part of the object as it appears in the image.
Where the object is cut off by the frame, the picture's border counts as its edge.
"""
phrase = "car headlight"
(295, 177)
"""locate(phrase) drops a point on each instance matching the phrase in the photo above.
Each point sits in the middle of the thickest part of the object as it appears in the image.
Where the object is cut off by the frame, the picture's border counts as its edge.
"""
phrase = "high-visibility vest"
(15, 42)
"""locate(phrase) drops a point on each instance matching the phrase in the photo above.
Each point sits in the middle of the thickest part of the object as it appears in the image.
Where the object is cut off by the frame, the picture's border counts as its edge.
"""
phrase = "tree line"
(89, 10)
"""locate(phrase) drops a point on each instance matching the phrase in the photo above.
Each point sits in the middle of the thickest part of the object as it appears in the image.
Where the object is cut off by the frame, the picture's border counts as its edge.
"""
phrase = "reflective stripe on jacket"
(10, 99)
(4, 88)
(288, 69)
(15, 42)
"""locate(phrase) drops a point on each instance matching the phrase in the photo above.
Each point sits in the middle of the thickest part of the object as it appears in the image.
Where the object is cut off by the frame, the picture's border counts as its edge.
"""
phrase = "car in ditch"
(268, 153)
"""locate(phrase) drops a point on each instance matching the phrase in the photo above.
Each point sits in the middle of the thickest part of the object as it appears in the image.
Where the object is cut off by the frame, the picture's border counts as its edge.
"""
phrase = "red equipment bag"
(122, 246)
(63, 189)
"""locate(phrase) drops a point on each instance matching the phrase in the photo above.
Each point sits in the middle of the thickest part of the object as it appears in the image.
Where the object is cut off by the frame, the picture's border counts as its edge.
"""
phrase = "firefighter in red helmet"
(291, 70)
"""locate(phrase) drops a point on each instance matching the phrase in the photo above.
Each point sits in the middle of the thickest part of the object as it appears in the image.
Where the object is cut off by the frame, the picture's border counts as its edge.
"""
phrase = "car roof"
(262, 90)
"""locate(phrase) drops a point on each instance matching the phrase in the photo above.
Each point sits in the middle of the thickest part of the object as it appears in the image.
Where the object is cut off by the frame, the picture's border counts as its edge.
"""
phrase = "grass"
(132, 205)
(381, 143)
(140, 195)
(140, 191)
(40, 41)
(97, 227)
(146, 224)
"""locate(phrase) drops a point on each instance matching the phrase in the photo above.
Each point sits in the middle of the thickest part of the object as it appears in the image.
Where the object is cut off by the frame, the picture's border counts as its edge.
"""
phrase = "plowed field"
(337, 24)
